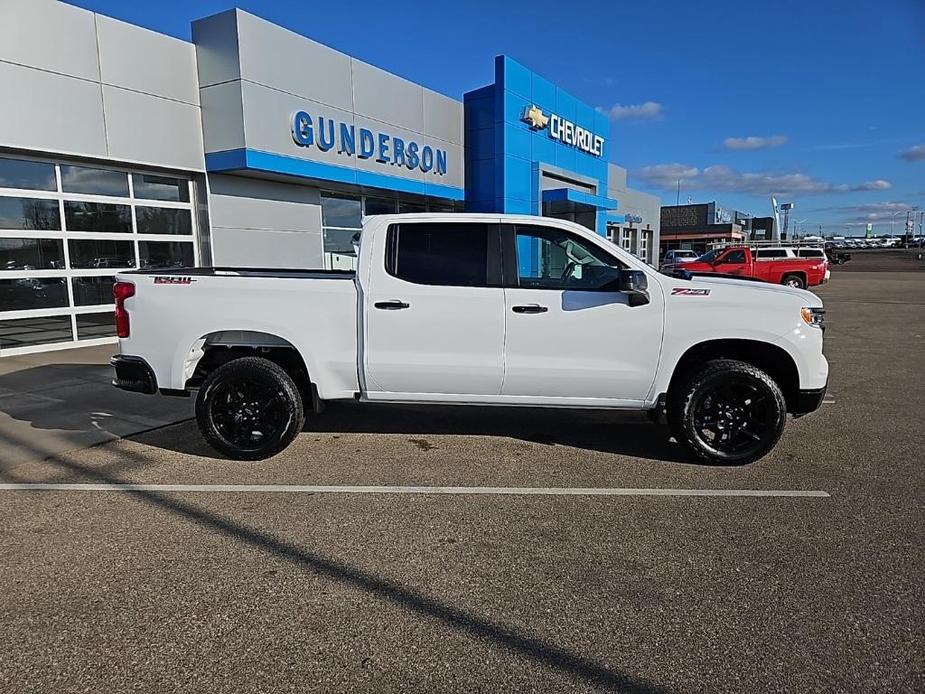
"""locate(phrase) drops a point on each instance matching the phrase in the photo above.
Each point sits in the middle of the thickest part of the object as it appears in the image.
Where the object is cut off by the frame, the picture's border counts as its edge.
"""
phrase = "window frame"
(493, 268)
(511, 267)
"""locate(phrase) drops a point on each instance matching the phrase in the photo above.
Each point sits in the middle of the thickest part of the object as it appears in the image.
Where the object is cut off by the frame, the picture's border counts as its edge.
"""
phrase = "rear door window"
(446, 253)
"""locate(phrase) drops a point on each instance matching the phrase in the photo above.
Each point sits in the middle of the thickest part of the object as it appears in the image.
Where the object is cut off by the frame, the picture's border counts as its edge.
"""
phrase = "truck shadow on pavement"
(413, 600)
(78, 403)
(615, 433)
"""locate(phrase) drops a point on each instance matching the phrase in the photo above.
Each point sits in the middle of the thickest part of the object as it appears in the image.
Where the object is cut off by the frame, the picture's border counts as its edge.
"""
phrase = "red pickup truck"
(740, 261)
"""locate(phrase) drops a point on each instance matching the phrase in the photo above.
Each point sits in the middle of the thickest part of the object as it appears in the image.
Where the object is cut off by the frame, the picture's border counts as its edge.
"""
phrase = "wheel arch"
(770, 358)
(219, 347)
(796, 273)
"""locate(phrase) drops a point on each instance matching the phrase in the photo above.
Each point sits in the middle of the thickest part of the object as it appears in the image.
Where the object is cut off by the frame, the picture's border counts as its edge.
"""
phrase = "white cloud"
(721, 178)
(649, 110)
(754, 142)
(869, 212)
(914, 153)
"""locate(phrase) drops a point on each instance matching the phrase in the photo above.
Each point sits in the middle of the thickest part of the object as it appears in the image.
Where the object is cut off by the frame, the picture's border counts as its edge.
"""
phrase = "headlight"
(813, 316)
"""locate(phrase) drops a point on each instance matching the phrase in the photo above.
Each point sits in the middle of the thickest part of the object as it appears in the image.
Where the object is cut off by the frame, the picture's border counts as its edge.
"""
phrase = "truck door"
(434, 311)
(734, 262)
(570, 334)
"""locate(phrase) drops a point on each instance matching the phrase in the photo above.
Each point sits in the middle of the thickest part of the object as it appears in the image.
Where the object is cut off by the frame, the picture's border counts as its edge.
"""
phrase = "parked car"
(474, 309)
(834, 255)
(739, 261)
(678, 256)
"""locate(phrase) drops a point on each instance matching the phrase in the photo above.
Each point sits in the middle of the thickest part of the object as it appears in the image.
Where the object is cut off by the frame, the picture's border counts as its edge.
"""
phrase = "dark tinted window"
(29, 213)
(342, 241)
(92, 325)
(31, 254)
(23, 332)
(21, 173)
(810, 253)
(380, 206)
(340, 211)
(97, 216)
(778, 253)
(550, 258)
(91, 291)
(32, 292)
(84, 179)
(101, 253)
(445, 254)
(163, 220)
(163, 254)
(160, 188)
(406, 207)
(735, 257)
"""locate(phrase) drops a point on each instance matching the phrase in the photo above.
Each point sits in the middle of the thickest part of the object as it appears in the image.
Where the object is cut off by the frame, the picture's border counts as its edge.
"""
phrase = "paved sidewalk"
(58, 401)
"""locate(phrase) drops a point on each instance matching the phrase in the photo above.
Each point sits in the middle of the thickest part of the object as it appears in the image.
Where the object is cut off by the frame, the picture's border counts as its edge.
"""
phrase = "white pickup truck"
(474, 309)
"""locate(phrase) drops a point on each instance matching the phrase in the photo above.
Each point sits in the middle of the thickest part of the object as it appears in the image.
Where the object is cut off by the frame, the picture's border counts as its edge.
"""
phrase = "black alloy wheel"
(249, 409)
(729, 412)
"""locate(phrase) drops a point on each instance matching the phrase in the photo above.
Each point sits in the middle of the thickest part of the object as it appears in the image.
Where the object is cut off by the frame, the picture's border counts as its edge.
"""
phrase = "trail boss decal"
(173, 280)
(686, 291)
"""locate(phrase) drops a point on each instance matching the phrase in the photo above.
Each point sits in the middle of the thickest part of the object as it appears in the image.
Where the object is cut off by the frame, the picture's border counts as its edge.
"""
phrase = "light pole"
(893, 217)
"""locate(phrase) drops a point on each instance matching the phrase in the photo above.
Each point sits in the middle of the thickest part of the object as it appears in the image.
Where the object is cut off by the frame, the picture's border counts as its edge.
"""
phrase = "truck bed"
(176, 312)
(295, 273)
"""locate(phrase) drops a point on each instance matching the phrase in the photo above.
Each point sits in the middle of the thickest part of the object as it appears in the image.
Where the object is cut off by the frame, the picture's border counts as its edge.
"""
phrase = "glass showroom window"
(65, 230)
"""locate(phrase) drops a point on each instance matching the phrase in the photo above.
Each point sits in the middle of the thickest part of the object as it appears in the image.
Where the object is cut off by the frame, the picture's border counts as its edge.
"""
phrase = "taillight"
(122, 291)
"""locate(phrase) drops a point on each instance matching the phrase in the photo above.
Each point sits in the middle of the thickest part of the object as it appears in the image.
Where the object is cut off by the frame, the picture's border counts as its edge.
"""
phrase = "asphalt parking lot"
(256, 591)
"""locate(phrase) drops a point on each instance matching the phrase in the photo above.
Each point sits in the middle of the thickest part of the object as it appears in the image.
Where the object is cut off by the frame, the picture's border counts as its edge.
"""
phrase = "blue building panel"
(517, 178)
(515, 77)
(517, 141)
(506, 166)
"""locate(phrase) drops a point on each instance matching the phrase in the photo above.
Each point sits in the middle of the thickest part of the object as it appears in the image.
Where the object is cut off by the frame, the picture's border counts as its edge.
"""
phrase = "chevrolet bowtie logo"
(535, 117)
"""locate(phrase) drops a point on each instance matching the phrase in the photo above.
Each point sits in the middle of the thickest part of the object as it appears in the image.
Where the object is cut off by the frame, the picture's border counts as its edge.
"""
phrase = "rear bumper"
(807, 401)
(133, 374)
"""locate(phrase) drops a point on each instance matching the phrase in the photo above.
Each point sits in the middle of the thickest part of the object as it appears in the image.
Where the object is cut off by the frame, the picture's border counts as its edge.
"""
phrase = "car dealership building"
(124, 148)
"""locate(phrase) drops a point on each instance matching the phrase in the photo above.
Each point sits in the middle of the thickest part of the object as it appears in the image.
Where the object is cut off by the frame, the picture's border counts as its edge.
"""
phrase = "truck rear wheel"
(249, 409)
(728, 412)
(793, 281)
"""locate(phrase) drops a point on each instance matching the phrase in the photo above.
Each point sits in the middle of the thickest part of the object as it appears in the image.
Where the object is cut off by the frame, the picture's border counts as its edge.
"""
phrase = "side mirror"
(633, 281)
(635, 284)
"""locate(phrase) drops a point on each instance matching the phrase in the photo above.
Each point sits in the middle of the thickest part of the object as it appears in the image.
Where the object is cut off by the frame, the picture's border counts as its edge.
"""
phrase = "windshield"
(710, 256)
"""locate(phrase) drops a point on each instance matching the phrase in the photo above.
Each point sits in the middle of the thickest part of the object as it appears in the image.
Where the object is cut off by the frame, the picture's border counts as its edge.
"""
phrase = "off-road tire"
(688, 397)
(259, 375)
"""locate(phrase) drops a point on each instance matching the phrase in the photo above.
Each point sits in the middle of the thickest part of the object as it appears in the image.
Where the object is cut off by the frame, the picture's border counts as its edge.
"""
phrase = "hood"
(805, 297)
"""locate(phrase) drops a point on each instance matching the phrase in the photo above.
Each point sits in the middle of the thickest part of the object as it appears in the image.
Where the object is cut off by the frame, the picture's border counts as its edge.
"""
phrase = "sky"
(820, 102)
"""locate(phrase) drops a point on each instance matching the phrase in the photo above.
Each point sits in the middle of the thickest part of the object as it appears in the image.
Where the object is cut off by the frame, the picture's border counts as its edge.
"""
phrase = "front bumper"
(133, 374)
(807, 401)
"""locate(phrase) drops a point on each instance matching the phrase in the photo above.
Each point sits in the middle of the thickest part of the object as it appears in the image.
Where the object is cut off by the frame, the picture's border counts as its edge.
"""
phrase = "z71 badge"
(687, 291)
(173, 280)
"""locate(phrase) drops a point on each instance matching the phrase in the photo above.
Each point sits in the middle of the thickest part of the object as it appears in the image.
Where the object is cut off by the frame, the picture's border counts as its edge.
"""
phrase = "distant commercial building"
(698, 226)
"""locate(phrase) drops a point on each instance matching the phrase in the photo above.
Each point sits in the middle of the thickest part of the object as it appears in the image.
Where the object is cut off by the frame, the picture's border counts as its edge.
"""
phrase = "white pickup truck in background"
(474, 309)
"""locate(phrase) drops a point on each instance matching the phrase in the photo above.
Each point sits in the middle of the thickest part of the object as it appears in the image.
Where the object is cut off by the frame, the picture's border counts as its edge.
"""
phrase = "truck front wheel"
(249, 409)
(793, 281)
(727, 412)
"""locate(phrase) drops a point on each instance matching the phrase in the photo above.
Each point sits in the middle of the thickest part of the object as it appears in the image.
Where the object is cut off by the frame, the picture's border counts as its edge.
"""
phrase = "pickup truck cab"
(474, 309)
(741, 261)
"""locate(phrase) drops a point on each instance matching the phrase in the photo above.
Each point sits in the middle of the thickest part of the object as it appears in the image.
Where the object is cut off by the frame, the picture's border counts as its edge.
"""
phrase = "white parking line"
(350, 489)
